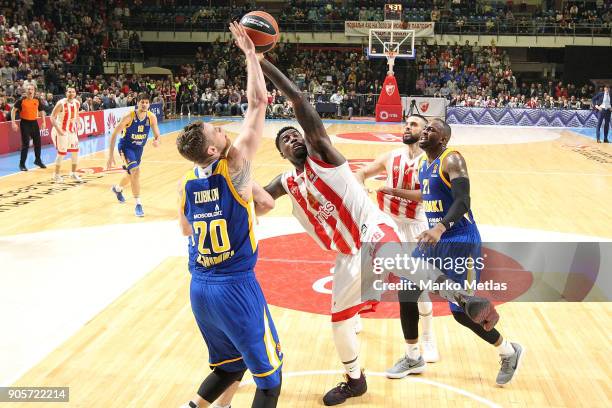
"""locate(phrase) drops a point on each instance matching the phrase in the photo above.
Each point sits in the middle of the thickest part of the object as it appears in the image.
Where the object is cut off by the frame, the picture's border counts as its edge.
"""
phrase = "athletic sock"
(505, 348)
(412, 351)
(352, 368)
(118, 188)
(138, 200)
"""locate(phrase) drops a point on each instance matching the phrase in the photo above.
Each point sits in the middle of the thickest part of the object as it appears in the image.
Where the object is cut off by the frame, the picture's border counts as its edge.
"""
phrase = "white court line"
(377, 374)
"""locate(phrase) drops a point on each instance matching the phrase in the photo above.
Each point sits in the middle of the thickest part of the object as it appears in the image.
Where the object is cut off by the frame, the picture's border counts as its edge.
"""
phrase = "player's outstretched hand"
(242, 40)
(156, 142)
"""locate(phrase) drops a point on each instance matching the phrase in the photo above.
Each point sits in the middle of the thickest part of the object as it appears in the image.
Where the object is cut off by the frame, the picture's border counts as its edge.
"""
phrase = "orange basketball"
(262, 28)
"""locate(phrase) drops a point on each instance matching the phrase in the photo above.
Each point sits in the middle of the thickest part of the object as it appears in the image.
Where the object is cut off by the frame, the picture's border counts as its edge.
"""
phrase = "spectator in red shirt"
(5, 109)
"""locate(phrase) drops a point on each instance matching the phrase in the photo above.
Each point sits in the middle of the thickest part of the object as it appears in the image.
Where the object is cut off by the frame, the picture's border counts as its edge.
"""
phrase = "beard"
(409, 139)
(301, 154)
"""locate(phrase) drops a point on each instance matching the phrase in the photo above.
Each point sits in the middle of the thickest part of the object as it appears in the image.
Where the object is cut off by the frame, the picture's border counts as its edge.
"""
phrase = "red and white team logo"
(424, 106)
(390, 89)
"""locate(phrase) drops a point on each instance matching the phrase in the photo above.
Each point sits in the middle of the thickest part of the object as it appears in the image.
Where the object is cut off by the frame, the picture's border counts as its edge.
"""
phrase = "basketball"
(262, 28)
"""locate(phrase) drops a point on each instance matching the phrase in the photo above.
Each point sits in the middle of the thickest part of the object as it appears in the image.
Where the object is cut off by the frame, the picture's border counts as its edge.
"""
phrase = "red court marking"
(289, 265)
(383, 137)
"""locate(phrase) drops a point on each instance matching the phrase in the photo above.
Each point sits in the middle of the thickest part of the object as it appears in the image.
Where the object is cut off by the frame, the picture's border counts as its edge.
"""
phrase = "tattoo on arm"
(242, 175)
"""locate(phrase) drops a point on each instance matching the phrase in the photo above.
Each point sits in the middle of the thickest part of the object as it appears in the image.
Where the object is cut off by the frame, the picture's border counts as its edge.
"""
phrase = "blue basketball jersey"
(137, 132)
(436, 193)
(223, 240)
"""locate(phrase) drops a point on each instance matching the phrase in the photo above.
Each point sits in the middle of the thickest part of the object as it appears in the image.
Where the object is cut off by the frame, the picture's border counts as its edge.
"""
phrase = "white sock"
(412, 351)
(505, 348)
(138, 200)
(222, 406)
(118, 188)
(347, 345)
(353, 369)
(426, 319)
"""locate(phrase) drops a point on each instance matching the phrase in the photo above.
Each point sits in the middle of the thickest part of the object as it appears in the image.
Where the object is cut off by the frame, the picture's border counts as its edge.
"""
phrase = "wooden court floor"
(144, 350)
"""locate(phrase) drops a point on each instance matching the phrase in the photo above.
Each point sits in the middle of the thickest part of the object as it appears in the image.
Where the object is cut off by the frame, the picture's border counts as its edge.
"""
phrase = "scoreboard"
(393, 12)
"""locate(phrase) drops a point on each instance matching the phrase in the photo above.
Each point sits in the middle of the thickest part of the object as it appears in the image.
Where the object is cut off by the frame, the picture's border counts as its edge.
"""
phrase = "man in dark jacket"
(601, 102)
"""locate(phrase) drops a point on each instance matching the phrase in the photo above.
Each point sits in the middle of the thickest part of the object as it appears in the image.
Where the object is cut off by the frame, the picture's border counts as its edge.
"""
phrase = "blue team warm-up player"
(216, 211)
(135, 128)
(453, 234)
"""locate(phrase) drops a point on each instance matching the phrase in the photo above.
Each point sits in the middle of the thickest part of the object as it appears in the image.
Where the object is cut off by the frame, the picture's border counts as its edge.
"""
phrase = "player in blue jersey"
(216, 211)
(453, 234)
(134, 128)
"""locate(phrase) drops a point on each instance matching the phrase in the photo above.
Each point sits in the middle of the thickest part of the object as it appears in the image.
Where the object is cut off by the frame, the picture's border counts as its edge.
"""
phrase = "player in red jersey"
(65, 122)
(401, 166)
(335, 210)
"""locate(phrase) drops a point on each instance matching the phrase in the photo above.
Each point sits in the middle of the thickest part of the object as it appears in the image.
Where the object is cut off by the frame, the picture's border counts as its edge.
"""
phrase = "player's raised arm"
(111, 145)
(317, 141)
(250, 136)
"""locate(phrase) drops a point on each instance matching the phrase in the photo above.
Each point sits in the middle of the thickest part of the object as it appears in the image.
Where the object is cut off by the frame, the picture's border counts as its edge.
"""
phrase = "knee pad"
(230, 375)
(217, 382)
(266, 397)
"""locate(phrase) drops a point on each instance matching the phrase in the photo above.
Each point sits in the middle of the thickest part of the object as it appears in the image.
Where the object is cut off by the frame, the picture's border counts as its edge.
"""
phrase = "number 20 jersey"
(223, 240)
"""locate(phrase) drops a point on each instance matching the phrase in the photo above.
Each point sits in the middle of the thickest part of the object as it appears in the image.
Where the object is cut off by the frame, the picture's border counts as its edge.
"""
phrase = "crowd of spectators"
(481, 76)
(500, 14)
(43, 42)
(42, 52)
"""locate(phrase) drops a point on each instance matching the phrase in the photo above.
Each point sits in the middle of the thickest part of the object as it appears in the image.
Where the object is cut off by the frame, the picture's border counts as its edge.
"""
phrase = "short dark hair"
(445, 126)
(143, 96)
(418, 116)
(280, 132)
(192, 142)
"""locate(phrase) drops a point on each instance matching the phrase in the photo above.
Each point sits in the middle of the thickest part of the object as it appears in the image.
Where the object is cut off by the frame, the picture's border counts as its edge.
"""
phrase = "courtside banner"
(522, 117)
(362, 28)
(90, 124)
(158, 110)
(112, 117)
(425, 106)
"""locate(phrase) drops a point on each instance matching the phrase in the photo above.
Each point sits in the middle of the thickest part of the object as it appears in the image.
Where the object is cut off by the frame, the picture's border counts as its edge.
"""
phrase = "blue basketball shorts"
(234, 320)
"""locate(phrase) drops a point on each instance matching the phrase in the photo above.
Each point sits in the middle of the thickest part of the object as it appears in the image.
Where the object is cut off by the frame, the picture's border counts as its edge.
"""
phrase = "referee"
(29, 108)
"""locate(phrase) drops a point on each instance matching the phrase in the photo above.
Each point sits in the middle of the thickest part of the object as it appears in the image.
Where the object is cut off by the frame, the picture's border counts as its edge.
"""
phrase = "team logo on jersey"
(311, 176)
(312, 201)
(435, 169)
(390, 88)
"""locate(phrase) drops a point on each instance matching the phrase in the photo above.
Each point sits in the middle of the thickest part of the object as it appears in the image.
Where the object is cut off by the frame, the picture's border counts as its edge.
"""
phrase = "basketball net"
(390, 60)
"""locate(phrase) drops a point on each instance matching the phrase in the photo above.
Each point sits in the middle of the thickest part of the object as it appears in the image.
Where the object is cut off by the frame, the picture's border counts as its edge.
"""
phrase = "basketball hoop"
(390, 60)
